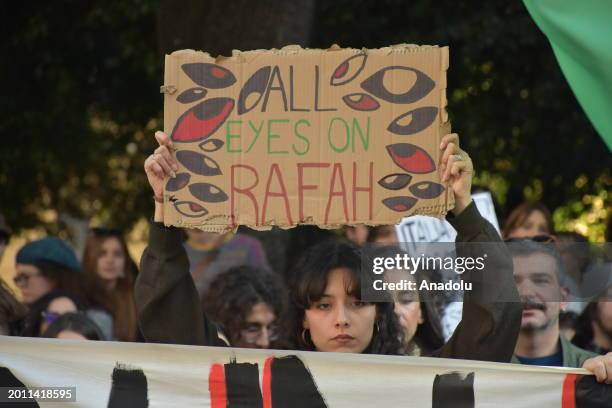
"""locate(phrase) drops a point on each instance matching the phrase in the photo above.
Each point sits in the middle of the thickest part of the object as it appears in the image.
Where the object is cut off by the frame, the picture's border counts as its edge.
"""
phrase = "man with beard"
(540, 280)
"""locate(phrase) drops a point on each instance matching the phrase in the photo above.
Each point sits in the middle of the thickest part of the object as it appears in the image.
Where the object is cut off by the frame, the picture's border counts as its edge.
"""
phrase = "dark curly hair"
(233, 294)
(74, 322)
(308, 282)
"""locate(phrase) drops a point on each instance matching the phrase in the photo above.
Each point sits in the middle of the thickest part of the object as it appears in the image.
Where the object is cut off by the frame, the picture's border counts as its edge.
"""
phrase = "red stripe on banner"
(216, 386)
(568, 398)
(267, 383)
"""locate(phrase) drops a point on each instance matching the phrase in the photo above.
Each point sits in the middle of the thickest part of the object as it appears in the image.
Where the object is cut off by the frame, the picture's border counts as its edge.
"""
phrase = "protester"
(357, 234)
(529, 219)
(249, 306)
(541, 282)
(211, 254)
(74, 326)
(110, 275)
(328, 314)
(11, 311)
(5, 235)
(47, 309)
(383, 234)
(45, 265)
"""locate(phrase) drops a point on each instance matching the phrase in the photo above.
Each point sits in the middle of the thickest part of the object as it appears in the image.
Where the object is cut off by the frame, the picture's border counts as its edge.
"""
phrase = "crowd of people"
(200, 288)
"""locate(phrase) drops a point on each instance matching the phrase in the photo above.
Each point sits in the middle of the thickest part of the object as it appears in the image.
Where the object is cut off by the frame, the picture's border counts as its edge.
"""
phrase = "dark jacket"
(573, 356)
(169, 309)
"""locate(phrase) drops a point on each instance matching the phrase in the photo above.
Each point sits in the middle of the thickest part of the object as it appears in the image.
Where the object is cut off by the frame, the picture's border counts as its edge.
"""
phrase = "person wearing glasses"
(248, 305)
(46, 265)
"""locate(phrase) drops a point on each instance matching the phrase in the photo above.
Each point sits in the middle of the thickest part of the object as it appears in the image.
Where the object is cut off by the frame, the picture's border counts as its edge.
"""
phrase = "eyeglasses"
(253, 332)
(23, 279)
(50, 317)
(543, 239)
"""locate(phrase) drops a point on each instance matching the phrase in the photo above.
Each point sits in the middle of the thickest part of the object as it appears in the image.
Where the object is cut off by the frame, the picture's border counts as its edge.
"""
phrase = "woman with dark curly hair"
(329, 313)
(248, 304)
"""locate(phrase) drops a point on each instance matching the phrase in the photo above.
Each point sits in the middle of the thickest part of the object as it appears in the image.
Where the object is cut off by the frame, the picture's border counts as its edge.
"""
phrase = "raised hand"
(457, 170)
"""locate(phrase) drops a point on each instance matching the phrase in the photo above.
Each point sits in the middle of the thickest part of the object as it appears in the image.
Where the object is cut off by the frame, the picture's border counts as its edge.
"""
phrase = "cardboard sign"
(107, 374)
(299, 136)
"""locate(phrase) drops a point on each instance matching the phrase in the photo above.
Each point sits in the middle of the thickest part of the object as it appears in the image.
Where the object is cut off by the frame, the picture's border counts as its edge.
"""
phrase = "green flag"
(580, 33)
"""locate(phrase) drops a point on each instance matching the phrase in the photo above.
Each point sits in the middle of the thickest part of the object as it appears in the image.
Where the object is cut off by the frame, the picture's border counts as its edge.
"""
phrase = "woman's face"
(407, 305)
(111, 262)
(338, 321)
(56, 308)
(260, 329)
(534, 225)
(32, 284)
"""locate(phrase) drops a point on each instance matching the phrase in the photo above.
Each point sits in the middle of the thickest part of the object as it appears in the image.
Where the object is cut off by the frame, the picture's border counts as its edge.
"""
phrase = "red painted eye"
(177, 183)
(211, 145)
(209, 75)
(420, 119)
(207, 192)
(400, 204)
(348, 70)
(191, 95)
(256, 84)
(426, 189)
(395, 181)
(198, 163)
(190, 209)
(202, 120)
(361, 102)
(375, 85)
(411, 158)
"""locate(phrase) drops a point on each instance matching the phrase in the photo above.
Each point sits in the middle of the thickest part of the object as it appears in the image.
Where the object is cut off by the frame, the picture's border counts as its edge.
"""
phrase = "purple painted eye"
(361, 102)
(211, 145)
(207, 192)
(198, 163)
(210, 76)
(395, 181)
(399, 204)
(191, 95)
(177, 183)
(426, 189)
(202, 120)
(375, 85)
(420, 119)
(256, 84)
(348, 70)
(190, 209)
(411, 158)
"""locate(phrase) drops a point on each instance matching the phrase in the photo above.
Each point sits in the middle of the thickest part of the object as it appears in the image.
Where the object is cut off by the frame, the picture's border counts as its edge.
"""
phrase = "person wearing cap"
(45, 265)
(5, 234)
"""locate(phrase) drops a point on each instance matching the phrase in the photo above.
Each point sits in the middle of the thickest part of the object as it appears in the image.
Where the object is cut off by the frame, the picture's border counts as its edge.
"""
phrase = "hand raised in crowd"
(457, 171)
(601, 367)
(160, 165)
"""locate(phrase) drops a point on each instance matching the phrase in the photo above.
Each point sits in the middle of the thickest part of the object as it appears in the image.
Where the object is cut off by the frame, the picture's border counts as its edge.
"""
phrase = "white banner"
(108, 374)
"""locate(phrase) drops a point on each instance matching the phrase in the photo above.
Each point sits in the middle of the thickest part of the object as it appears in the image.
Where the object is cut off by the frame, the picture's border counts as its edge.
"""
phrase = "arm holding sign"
(168, 304)
(491, 311)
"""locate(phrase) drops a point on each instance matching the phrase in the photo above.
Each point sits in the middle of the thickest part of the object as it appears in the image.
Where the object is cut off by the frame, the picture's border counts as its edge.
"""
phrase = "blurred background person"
(382, 234)
(249, 306)
(46, 310)
(73, 326)
(541, 283)
(357, 234)
(11, 311)
(211, 254)
(110, 275)
(529, 219)
(45, 265)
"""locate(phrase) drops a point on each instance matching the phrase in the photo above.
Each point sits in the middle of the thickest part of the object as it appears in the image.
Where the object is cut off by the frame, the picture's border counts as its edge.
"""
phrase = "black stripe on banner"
(7, 379)
(242, 382)
(591, 394)
(453, 390)
(129, 389)
(293, 386)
